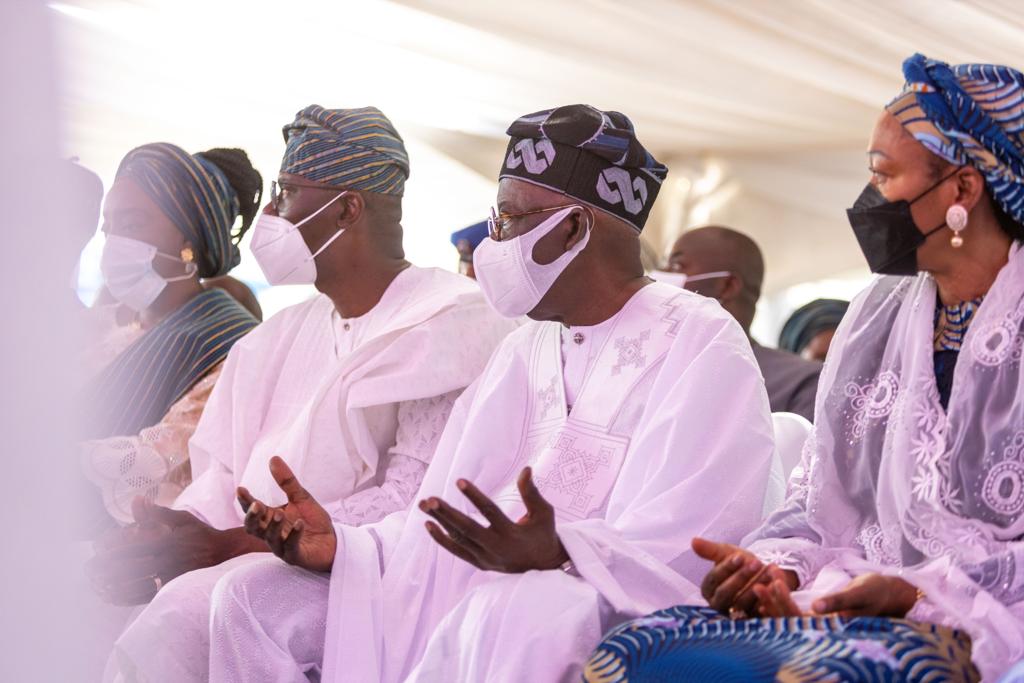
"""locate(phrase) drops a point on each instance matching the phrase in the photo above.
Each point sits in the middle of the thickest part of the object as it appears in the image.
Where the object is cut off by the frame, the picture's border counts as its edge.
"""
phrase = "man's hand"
(504, 546)
(300, 532)
(729, 586)
(870, 595)
(131, 564)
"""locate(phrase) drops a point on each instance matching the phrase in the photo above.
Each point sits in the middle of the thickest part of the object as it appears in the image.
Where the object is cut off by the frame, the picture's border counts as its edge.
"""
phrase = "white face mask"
(680, 279)
(127, 268)
(280, 251)
(668, 277)
(512, 282)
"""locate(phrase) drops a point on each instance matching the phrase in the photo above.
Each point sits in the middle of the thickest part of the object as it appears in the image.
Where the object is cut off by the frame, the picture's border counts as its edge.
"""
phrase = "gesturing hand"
(300, 532)
(729, 585)
(504, 546)
(870, 595)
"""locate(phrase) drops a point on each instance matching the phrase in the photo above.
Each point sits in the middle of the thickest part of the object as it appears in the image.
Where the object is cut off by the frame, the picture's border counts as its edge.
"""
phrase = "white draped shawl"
(890, 482)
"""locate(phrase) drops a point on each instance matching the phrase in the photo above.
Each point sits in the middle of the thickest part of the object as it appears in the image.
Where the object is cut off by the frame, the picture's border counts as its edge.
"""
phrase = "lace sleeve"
(420, 424)
(153, 463)
(786, 538)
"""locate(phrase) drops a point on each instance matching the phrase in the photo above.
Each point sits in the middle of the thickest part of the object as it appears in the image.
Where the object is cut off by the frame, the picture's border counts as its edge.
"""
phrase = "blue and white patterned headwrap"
(969, 114)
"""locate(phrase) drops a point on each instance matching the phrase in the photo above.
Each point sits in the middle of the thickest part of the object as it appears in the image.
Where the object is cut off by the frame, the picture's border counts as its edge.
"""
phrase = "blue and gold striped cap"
(353, 148)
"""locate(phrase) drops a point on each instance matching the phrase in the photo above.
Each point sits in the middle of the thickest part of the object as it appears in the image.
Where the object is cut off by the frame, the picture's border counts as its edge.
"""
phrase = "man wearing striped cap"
(351, 388)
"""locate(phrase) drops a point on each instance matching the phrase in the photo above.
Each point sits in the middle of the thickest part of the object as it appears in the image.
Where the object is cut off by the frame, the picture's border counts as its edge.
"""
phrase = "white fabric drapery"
(761, 110)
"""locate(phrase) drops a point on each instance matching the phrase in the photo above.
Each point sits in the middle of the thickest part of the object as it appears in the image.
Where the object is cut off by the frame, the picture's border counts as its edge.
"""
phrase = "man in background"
(727, 265)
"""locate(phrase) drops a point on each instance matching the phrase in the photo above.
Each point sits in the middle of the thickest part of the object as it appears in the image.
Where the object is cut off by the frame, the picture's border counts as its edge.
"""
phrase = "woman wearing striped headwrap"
(899, 552)
(169, 225)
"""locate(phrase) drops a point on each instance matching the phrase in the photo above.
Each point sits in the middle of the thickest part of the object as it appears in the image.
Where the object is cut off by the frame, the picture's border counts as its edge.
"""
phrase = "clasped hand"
(741, 586)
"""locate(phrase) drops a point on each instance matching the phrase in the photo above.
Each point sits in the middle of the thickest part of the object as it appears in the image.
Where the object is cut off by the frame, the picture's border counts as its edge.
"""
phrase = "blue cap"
(474, 234)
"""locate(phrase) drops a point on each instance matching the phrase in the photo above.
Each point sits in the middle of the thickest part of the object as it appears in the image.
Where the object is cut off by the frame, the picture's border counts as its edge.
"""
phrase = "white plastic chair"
(791, 431)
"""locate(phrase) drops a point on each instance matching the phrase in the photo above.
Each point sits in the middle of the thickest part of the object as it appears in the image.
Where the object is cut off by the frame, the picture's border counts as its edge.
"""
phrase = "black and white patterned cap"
(591, 155)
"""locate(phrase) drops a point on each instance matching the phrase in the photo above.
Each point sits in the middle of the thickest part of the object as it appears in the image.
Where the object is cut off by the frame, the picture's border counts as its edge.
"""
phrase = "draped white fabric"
(761, 109)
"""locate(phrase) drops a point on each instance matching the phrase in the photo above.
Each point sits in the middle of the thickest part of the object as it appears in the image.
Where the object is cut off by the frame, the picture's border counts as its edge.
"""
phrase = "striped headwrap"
(195, 195)
(969, 114)
(352, 148)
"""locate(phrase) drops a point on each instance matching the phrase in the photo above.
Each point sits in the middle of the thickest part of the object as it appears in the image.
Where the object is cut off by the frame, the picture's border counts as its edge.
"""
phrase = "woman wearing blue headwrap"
(809, 331)
(168, 221)
(899, 552)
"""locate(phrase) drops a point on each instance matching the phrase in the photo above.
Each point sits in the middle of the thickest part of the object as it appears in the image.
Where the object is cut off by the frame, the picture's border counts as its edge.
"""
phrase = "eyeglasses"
(276, 188)
(499, 225)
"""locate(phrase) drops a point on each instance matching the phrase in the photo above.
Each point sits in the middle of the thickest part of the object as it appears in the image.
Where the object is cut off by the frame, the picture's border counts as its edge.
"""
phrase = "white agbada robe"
(356, 407)
(669, 436)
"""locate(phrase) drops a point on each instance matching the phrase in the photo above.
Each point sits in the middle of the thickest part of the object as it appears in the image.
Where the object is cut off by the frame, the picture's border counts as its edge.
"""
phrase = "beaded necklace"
(951, 323)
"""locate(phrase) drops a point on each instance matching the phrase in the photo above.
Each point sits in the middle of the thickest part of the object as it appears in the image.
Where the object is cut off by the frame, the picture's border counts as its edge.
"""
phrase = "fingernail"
(423, 505)
(819, 606)
(753, 563)
(461, 483)
(737, 561)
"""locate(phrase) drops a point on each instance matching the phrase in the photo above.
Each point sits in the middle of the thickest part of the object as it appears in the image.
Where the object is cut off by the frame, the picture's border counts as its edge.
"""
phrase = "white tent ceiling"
(761, 109)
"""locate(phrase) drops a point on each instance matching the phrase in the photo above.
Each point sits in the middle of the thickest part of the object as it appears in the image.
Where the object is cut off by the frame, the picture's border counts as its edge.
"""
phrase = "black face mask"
(886, 230)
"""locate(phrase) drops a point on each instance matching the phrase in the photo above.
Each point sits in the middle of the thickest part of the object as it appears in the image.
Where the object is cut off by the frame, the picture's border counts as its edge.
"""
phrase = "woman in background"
(809, 331)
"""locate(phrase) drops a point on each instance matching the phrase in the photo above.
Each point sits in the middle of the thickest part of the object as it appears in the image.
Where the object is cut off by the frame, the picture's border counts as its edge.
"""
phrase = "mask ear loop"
(323, 247)
(188, 258)
(709, 276)
(939, 182)
(326, 244)
(590, 222)
(593, 218)
(943, 224)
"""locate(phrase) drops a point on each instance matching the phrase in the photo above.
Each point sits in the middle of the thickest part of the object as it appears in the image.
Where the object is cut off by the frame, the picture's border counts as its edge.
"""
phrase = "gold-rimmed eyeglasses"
(499, 225)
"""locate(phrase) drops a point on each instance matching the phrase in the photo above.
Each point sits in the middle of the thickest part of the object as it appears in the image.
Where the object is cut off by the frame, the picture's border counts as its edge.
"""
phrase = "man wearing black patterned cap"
(569, 479)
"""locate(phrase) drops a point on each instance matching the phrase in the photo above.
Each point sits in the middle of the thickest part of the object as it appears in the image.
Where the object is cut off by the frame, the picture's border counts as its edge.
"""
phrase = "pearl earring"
(956, 219)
